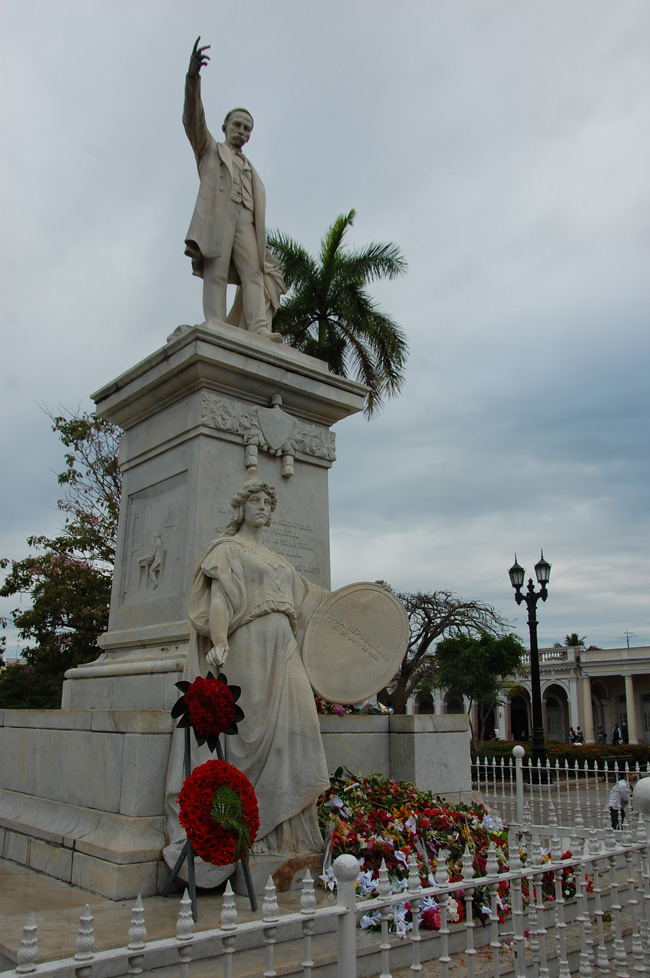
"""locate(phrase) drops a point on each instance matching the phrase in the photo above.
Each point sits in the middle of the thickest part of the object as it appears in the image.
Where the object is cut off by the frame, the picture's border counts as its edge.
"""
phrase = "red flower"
(209, 707)
(218, 840)
(430, 919)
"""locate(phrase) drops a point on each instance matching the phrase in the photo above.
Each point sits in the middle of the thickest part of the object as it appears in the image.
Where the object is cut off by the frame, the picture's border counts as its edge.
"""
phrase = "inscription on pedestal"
(292, 540)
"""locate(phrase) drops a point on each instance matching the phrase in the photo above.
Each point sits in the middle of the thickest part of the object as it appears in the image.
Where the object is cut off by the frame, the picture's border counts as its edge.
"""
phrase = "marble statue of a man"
(226, 239)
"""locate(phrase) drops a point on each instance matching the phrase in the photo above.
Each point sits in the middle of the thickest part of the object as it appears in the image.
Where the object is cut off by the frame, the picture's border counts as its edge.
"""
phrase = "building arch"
(424, 703)
(600, 704)
(520, 713)
(454, 704)
(556, 719)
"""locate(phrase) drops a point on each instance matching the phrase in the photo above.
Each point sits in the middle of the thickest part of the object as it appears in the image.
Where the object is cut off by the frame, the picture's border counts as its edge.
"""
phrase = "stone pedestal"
(81, 796)
(81, 790)
(194, 414)
(432, 751)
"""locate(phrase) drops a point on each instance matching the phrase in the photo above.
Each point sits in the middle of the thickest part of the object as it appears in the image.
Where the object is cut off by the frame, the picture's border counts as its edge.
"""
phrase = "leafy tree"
(24, 687)
(68, 578)
(476, 666)
(329, 314)
(432, 615)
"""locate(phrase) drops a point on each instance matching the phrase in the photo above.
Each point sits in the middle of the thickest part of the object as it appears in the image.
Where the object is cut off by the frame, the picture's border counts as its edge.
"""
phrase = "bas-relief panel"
(154, 546)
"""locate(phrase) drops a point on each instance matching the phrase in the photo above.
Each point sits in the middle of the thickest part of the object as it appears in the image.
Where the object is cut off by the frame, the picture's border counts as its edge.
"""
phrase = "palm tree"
(571, 641)
(574, 639)
(328, 313)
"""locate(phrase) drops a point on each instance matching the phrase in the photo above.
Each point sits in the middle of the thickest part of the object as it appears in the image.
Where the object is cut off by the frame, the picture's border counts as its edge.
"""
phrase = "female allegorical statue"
(254, 607)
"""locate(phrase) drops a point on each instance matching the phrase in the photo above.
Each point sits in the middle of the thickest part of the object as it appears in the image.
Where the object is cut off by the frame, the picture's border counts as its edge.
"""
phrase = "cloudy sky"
(502, 144)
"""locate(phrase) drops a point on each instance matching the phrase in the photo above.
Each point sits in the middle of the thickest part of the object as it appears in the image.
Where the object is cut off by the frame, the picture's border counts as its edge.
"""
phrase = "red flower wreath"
(209, 706)
(218, 810)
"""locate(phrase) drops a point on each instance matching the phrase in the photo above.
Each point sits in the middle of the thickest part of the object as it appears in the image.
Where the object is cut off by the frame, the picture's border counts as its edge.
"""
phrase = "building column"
(502, 722)
(574, 703)
(630, 707)
(587, 711)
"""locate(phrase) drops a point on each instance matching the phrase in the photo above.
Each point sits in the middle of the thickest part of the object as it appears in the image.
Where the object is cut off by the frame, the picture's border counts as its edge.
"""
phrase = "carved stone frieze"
(270, 430)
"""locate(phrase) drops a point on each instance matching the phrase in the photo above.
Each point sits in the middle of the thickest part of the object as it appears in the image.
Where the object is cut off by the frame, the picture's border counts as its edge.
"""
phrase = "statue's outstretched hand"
(198, 59)
(217, 656)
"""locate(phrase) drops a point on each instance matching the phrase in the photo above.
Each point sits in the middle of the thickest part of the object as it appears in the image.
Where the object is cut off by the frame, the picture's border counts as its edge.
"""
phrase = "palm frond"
(373, 262)
(327, 313)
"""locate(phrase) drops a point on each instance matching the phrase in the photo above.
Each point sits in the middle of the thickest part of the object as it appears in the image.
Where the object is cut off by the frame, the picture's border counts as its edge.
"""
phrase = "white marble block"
(433, 751)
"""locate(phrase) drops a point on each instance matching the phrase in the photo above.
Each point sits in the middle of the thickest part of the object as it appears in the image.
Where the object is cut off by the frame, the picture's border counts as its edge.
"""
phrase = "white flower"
(492, 823)
(370, 919)
(428, 903)
(452, 910)
(411, 823)
(337, 802)
(366, 884)
(402, 925)
(328, 878)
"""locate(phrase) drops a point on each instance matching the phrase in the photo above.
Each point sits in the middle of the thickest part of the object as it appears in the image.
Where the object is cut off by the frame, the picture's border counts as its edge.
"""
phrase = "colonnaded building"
(580, 687)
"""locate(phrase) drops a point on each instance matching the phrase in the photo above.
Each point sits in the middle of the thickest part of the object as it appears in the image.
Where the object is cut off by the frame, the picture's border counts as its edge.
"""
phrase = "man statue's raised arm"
(193, 114)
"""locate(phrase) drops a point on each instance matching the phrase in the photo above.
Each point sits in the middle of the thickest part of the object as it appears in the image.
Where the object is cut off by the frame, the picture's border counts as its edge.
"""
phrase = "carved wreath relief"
(270, 429)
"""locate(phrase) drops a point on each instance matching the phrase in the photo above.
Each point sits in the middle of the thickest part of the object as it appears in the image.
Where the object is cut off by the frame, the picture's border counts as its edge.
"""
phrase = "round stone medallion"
(355, 642)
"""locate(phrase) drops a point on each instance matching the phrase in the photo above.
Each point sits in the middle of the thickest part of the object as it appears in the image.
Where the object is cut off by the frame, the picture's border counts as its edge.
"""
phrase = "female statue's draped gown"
(279, 746)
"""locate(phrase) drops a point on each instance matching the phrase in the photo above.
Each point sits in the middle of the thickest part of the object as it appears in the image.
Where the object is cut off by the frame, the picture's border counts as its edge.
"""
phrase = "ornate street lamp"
(531, 597)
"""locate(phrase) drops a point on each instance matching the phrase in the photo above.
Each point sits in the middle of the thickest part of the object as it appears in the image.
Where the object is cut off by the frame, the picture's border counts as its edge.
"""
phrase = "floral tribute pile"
(217, 804)
(375, 819)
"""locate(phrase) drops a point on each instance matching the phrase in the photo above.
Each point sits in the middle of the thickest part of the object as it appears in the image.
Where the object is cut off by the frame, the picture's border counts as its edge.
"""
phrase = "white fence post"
(518, 754)
(346, 869)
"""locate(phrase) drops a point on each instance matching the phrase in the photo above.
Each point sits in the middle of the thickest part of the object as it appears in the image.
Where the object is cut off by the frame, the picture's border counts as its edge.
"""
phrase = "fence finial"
(86, 937)
(185, 921)
(28, 950)
(228, 909)
(492, 862)
(137, 930)
(308, 897)
(270, 906)
(414, 885)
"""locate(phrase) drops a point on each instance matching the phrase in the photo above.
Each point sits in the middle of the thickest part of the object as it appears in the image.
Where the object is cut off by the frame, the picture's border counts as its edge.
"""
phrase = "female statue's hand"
(217, 656)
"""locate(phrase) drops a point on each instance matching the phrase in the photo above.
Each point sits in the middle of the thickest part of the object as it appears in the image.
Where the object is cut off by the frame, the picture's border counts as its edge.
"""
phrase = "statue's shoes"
(268, 335)
(260, 848)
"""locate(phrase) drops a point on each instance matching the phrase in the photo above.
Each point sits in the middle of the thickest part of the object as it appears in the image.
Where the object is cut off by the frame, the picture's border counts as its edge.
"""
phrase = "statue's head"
(241, 497)
(238, 126)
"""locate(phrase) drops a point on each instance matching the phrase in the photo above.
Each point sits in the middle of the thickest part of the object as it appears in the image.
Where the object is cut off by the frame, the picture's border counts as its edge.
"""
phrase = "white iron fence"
(569, 794)
(548, 913)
